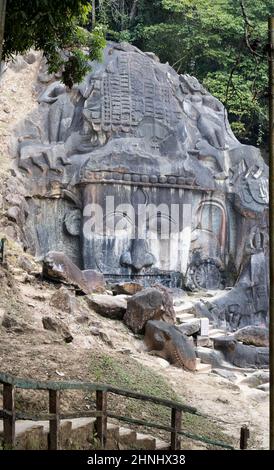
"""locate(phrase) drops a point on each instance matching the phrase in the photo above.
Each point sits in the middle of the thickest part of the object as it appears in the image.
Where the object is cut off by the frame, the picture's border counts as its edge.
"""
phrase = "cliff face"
(179, 200)
(18, 99)
(140, 134)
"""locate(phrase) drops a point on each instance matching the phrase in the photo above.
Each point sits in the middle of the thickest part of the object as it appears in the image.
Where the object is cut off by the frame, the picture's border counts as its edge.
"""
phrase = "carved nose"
(138, 256)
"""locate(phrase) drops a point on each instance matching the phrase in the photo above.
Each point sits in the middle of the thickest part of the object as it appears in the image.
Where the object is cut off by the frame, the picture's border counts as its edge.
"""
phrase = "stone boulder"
(15, 324)
(253, 335)
(190, 328)
(64, 300)
(242, 355)
(127, 288)
(149, 304)
(225, 374)
(109, 306)
(210, 356)
(26, 264)
(58, 267)
(264, 387)
(166, 341)
(256, 379)
(59, 327)
(168, 308)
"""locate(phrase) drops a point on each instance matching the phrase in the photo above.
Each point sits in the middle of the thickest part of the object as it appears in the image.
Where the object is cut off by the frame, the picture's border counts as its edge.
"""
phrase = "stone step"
(81, 422)
(203, 341)
(203, 368)
(215, 333)
(145, 442)
(80, 433)
(161, 445)
(127, 436)
(185, 317)
(184, 307)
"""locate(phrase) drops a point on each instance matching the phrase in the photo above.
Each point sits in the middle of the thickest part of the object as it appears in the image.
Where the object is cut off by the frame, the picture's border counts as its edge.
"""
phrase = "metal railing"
(9, 414)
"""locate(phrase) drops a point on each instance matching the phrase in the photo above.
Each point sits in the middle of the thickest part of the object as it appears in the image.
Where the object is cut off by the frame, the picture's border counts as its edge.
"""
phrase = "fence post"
(101, 421)
(245, 434)
(9, 420)
(176, 420)
(54, 424)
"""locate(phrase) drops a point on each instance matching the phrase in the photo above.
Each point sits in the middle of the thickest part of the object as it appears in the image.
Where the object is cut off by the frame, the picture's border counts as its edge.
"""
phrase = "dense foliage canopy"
(57, 28)
(221, 42)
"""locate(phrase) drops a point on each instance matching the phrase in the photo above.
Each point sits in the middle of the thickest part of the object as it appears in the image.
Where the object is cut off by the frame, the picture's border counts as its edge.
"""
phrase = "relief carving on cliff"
(181, 200)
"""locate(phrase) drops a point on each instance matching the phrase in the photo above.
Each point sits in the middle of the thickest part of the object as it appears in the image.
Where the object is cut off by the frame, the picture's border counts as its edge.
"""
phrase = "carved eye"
(118, 223)
(162, 224)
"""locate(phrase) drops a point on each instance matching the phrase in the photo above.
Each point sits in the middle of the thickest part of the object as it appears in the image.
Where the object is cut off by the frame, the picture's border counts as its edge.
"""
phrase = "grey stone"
(25, 264)
(264, 387)
(59, 267)
(108, 306)
(59, 327)
(149, 304)
(83, 318)
(242, 355)
(166, 341)
(64, 300)
(209, 356)
(14, 213)
(140, 133)
(253, 335)
(257, 378)
(17, 325)
(190, 328)
(127, 288)
(226, 374)
(30, 57)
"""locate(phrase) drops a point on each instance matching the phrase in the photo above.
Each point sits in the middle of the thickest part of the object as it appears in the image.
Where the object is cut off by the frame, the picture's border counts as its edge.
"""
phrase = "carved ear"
(72, 222)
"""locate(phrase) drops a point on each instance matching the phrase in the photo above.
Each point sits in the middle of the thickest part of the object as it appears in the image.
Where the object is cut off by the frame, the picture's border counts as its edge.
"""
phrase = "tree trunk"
(2, 25)
(93, 14)
(122, 14)
(133, 10)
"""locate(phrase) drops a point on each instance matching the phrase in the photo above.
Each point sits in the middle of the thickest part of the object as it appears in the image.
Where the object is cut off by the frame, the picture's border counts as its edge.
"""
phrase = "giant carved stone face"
(136, 232)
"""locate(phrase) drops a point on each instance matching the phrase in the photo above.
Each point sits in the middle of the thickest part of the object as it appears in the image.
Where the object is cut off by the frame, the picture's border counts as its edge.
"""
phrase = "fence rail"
(10, 415)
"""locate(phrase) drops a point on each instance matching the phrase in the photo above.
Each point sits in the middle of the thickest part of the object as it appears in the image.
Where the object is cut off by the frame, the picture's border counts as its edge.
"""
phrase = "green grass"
(125, 372)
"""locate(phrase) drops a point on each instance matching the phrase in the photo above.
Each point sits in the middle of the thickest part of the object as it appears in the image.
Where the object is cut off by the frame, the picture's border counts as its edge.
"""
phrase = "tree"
(56, 28)
(2, 24)
(221, 42)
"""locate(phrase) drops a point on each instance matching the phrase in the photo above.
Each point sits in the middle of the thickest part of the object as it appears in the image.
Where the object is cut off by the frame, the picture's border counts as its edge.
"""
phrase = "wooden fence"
(9, 414)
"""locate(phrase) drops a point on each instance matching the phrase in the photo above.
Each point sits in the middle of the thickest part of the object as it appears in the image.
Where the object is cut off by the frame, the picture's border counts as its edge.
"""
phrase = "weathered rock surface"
(264, 387)
(149, 304)
(59, 327)
(190, 328)
(242, 355)
(25, 264)
(57, 266)
(167, 342)
(127, 288)
(226, 374)
(64, 300)
(108, 306)
(253, 335)
(209, 356)
(258, 378)
(17, 325)
(168, 307)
